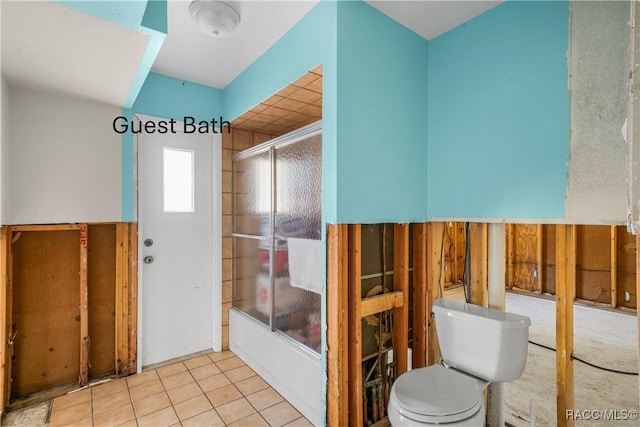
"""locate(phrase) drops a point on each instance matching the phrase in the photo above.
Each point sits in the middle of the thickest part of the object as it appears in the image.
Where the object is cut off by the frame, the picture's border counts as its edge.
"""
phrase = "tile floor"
(215, 389)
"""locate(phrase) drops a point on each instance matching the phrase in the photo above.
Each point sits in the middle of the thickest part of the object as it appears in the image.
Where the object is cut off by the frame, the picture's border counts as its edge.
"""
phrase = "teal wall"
(499, 114)
(382, 118)
(165, 97)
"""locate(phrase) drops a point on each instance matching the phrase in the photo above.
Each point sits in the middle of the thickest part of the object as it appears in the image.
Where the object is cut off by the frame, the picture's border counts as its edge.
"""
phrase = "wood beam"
(434, 286)
(133, 298)
(6, 300)
(84, 307)
(478, 241)
(381, 302)
(47, 227)
(565, 293)
(638, 298)
(337, 325)
(401, 284)
(421, 296)
(539, 257)
(614, 266)
(355, 325)
(122, 299)
(510, 254)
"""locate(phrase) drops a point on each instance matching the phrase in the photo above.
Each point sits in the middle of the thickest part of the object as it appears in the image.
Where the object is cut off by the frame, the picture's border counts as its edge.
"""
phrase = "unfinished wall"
(65, 159)
(598, 63)
(69, 307)
(605, 262)
(46, 311)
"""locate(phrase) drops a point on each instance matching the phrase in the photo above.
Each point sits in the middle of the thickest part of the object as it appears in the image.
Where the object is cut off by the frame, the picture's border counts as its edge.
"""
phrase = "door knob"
(148, 259)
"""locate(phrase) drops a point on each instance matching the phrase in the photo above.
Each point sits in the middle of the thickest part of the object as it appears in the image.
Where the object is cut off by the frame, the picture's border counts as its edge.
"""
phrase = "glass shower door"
(277, 235)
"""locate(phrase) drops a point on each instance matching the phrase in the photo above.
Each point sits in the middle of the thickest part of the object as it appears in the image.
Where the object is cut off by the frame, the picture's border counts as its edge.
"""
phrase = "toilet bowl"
(478, 345)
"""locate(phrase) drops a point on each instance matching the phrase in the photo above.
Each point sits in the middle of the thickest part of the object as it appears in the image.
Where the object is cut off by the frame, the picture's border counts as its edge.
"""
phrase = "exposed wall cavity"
(598, 65)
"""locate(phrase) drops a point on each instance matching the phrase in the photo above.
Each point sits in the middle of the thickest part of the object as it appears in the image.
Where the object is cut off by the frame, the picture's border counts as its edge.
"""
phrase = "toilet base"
(399, 420)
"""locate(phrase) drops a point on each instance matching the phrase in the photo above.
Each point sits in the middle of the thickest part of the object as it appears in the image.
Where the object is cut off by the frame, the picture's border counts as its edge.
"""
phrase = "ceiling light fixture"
(215, 18)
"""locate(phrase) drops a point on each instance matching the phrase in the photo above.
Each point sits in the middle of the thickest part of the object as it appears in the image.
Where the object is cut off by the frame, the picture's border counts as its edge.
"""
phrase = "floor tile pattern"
(214, 389)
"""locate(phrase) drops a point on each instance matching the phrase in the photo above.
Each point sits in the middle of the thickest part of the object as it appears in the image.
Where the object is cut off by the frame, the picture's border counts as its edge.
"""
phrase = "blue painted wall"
(165, 97)
(382, 118)
(499, 114)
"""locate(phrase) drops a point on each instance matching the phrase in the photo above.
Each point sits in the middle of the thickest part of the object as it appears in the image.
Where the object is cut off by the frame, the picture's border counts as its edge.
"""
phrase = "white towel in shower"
(305, 264)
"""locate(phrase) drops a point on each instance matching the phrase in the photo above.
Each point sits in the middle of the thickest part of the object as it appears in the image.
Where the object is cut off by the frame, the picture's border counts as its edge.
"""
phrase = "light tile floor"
(215, 389)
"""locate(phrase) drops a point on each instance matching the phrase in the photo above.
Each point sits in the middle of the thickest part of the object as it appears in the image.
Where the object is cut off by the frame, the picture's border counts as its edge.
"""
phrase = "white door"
(176, 208)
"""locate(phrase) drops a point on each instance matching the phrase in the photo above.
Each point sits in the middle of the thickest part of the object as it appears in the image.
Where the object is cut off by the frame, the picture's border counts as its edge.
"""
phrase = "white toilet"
(478, 346)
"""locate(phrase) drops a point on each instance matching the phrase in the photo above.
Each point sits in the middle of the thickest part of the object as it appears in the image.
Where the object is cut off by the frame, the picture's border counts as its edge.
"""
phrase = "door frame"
(216, 185)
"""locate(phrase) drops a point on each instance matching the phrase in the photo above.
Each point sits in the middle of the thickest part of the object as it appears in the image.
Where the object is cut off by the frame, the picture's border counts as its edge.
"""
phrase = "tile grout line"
(167, 392)
(135, 415)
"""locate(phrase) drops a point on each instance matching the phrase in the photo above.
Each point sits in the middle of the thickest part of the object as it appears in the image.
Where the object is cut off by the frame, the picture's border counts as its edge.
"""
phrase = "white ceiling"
(48, 45)
(430, 18)
(190, 54)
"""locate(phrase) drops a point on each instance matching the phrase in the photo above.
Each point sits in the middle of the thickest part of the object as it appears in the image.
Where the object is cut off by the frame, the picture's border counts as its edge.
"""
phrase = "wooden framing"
(434, 286)
(421, 294)
(126, 298)
(510, 255)
(637, 293)
(401, 284)
(6, 307)
(565, 293)
(337, 325)
(381, 302)
(133, 298)
(53, 227)
(614, 266)
(478, 241)
(539, 257)
(84, 307)
(355, 325)
(126, 305)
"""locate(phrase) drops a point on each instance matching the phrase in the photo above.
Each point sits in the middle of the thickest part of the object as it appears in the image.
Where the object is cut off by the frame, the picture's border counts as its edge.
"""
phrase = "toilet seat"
(436, 395)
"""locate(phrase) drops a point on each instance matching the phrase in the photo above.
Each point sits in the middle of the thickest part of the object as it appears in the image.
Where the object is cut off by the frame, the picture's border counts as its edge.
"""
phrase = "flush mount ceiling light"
(215, 18)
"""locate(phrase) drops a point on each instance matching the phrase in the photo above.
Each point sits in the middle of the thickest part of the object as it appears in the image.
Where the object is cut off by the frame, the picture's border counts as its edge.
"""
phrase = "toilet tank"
(486, 343)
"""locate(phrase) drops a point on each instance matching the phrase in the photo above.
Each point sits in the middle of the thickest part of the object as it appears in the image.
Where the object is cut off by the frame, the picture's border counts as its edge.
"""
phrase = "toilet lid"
(438, 392)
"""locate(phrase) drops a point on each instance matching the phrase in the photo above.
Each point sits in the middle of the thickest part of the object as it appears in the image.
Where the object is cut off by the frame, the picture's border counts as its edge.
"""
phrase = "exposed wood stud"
(565, 293)
(337, 321)
(401, 284)
(381, 302)
(84, 307)
(121, 347)
(539, 258)
(420, 296)
(355, 326)
(638, 292)
(133, 298)
(478, 241)
(6, 302)
(510, 255)
(434, 287)
(614, 266)
(53, 227)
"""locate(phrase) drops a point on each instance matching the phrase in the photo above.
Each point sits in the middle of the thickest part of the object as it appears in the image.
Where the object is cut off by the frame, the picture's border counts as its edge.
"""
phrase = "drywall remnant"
(598, 73)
